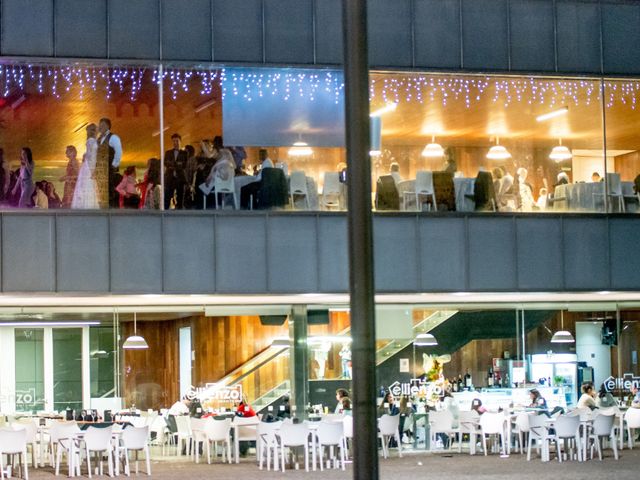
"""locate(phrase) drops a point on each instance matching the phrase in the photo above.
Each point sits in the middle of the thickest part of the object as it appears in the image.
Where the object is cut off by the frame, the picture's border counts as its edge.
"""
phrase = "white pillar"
(8, 370)
(48, 369)
(86, 369)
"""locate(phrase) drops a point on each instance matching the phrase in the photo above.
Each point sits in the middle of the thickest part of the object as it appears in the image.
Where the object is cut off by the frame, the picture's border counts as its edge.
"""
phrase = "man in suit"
(175, 163)
(107, 164)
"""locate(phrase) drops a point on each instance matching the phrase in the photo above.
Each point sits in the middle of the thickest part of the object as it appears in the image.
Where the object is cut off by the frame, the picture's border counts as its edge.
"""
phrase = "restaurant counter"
(495, 398)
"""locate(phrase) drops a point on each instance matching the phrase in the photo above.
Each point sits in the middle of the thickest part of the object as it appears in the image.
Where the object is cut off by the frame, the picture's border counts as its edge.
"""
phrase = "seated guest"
(340, 394)
(537, 400)
(244, 409)
(595, 177)
(394, 171)
(562, 179)
(588, 397)
(127, 189)
(605, 399)
(635, 400)
(223, 169)
(284, 411)
(476, 404)
(388, 406)
(181, 407)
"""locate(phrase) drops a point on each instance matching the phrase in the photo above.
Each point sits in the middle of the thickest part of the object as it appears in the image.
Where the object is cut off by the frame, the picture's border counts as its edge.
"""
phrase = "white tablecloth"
(581, 197)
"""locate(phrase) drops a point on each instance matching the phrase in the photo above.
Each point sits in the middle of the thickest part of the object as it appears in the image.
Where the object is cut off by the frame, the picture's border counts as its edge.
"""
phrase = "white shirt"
(116, 144)
(178, 408)
(586, 401)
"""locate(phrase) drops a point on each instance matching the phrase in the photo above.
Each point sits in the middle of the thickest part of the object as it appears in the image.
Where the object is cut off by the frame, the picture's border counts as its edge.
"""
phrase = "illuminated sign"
(214, 392)
(627, 381)
(415, 387)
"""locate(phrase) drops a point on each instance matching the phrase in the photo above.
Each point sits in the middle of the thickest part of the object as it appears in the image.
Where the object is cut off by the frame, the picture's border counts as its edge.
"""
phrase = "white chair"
(294, 435)
(347, 425)
(282, 166)
(468, 423)
(567, 428)
(224, 188)
(632, 419)
(158, 426)
(442, 422)
(298, 186)
(246, 430)
(493, 424)
(424, 187)
(267, 443)
(13, 442)
(218, 431)
(614, 192)
(330, 434)
(539, 433)
(62, 440)
(32, 438)
(198, 435)
(603, 428)
(387, 429)
(331, 191)
(98, 440)
(183, 434)
(134, 439)
(521, 429)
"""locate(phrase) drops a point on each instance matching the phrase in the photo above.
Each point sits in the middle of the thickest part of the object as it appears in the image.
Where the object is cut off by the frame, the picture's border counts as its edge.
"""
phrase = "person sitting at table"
(635, 400)
(223, 169)
(340, 394)
(588, 397)
(537, 400)
(181, 407)
(394, 171)
(595, 177)
(388, 406)
(476, 404)
(244, 409)
(346, 405)
(562, 179)
(605, 399)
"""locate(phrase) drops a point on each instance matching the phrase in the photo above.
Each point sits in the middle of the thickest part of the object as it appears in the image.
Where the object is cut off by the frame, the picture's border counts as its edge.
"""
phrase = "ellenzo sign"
(627, 381)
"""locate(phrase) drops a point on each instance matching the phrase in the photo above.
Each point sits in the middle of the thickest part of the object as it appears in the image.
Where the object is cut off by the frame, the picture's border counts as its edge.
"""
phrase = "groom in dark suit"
(175, 180)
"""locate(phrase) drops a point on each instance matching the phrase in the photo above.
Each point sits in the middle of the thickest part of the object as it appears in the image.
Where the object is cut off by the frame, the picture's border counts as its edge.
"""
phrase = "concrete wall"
(570, 36)
(251, 252)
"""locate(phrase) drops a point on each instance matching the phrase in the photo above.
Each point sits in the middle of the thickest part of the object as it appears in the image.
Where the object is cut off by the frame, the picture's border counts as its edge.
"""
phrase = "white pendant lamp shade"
(425, 340)
(433, 149)
(300, 149)
(135, 341)
(560, 153)
(498, 152)
(562, 336)
(376, 136)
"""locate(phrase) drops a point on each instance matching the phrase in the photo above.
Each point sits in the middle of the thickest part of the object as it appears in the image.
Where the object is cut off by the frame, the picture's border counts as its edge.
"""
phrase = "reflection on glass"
(102, 361)
(29, 393)
(67, 368)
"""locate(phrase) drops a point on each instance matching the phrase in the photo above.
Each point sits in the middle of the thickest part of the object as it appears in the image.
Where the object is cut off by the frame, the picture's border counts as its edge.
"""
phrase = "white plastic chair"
(294, 435)
(134, 439)
(539, 432)
(98, 440)
(267, 444)
(468, 423)
(424, 186)
(218, 431)
(14, 442)
(567, 427)
(614, 191)
(246, 430)
(388, 429)
(225, 187)
(521, 429)
(298, 186)
(62, 440)
(32, 438)
(198, 435)
(603, 428)
(332, 190)
(632, 419)
(183, 434)
(330, 434)
(493, 424)
(158, 426)
(441, 422)
(347, 424)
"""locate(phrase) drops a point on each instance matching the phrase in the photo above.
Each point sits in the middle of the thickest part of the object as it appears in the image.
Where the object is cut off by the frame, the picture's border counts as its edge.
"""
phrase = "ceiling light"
(389, 107)
(135, 341)
(205, 105)
(425, 340)
(300, 149)
(560, 153)
(433, 149)
(555, 113)
(157, 132)
(562, 336)
(498, 152)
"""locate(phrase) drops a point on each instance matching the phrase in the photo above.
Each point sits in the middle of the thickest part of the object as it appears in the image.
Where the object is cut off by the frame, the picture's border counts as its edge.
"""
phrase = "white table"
(584, 197)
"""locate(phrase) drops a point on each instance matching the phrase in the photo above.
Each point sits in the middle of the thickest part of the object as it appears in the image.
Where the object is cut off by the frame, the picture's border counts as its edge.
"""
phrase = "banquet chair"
(632, 419)
(539, 432)
(218, 431)
(294, 435)
(493, 424)
(614, 192)
(134, 440)
(441, 422)
(298, 186)
(331, 434)
(62, 440)
(267, 444)
(388, 429)
(13, 442)
(567, 428)
(603, 428)
(98, 440)
(423, 187)
(331, 191)
(224, 188)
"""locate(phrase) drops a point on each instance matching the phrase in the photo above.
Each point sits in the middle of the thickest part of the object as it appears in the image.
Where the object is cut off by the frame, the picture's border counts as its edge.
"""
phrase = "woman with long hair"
(25, 180)
(84, 195)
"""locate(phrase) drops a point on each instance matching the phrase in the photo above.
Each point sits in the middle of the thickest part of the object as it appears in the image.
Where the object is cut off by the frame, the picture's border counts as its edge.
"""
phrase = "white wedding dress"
(84, 195)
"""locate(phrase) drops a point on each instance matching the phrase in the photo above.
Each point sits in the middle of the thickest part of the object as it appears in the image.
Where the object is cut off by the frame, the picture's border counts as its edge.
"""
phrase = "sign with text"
(626, 382)
(415, 387)
(212, 392)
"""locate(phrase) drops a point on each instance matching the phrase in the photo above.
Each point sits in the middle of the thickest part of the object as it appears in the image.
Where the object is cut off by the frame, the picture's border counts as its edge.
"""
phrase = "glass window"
(29, 369)
(102, 361)
(67, 368)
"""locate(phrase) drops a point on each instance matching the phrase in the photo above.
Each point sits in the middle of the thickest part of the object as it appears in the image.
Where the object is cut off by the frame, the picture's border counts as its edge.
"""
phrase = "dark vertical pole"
(300, 359)
(365, 447)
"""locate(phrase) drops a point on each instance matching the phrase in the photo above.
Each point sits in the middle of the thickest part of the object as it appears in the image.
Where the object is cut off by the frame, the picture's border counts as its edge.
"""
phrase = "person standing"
(85, 192)
(25, 180)
(70, 177)
(175, 163)
(108, 162)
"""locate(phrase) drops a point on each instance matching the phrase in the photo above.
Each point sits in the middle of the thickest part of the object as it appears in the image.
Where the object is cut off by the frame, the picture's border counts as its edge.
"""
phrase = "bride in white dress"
(84, 195)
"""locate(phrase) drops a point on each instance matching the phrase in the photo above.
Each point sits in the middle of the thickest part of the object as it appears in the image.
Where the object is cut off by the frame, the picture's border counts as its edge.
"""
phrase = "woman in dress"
(70, 177)
(84, 195)
(25, 180)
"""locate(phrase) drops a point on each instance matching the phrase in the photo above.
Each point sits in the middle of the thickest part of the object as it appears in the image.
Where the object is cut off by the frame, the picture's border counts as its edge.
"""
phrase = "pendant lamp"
(300, 149)
(498, 152)
(560, 153)
(433, 149)
(425, 340)
(562, 336)
(135, 341)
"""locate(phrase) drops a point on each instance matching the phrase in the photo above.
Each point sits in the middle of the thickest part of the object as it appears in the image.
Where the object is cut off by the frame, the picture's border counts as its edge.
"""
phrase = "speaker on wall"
(318, 317)
(272, 320)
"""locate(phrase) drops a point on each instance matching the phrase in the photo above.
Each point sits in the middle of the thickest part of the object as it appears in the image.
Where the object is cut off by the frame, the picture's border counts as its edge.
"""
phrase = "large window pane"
(67, 368)
(102, 361)
(29, 369)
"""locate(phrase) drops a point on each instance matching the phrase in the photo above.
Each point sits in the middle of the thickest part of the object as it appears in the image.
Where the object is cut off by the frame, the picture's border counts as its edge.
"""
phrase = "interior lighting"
(300, 149)
(433, 149)
(425, 340)
(135, 341)
(389, 107)
(48, 324)
(562, 335)
(553, 114)
(560, 153)
(498, 152)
